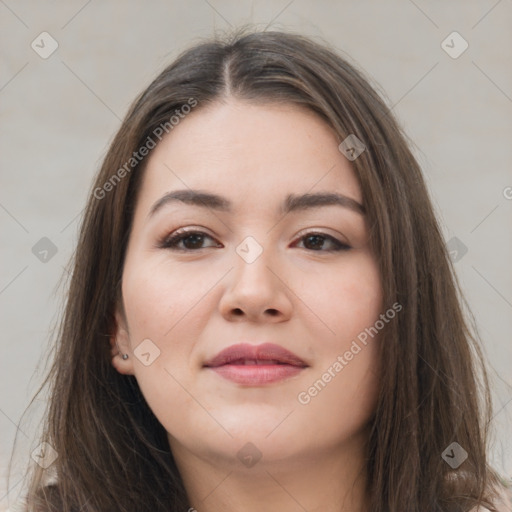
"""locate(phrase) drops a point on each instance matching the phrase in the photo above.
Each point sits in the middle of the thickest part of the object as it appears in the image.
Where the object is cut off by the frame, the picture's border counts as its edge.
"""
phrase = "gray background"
(59, 114)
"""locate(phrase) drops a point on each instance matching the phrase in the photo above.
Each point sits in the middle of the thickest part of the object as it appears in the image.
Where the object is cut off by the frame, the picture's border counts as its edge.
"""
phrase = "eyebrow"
(292, 203)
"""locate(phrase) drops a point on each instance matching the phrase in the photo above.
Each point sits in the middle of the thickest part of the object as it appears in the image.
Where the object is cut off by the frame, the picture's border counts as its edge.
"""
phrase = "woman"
(262, 314)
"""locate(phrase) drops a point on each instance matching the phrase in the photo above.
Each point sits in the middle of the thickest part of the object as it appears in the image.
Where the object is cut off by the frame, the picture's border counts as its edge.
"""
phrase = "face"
(202, 278)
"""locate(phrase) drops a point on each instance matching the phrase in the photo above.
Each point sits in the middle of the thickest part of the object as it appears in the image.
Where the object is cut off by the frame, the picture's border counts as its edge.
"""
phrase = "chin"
(253, 429)
(257, 420)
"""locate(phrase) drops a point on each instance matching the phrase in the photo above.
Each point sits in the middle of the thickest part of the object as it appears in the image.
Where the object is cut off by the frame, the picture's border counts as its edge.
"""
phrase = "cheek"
(345, 400)
(345, 383)
(347, 299)
(161, 305)
(159, 301)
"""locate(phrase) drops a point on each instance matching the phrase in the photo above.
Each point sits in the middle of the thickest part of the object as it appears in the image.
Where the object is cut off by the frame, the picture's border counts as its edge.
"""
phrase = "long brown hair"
(113, 454)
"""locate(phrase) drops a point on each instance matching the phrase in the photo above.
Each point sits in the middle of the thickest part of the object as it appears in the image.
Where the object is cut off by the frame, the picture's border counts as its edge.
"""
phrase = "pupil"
(319, 240)
(196, 240)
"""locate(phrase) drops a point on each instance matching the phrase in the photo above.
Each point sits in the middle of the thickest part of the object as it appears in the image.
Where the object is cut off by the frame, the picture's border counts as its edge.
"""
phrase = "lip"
(254, 365)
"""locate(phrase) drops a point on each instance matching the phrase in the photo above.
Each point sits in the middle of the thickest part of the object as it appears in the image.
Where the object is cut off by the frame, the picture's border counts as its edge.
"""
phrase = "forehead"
(253, 154)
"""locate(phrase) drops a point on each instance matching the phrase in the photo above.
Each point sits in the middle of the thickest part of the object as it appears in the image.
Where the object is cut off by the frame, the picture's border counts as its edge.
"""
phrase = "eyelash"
(171, 242)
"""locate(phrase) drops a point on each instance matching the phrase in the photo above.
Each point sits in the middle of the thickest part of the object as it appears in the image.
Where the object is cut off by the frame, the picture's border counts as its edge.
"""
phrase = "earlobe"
(120, 348)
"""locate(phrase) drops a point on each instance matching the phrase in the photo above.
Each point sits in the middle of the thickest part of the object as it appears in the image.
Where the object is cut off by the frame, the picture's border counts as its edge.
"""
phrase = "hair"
(113, 454)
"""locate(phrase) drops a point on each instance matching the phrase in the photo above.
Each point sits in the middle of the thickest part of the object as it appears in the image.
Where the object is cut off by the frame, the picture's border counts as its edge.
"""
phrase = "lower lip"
(253, 375)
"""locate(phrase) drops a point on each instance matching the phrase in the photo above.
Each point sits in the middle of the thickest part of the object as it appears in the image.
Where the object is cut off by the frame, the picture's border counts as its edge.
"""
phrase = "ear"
(120, 345)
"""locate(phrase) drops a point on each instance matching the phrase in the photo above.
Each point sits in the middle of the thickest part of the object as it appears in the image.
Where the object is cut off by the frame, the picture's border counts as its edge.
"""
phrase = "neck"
(332, 481)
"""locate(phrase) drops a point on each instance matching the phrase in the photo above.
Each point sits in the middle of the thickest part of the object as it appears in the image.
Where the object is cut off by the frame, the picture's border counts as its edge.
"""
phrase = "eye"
(185, 240)
(316, 242)
(192, 240)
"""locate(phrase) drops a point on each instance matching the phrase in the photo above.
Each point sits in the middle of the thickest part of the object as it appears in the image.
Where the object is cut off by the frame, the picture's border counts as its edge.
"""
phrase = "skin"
(309, 300)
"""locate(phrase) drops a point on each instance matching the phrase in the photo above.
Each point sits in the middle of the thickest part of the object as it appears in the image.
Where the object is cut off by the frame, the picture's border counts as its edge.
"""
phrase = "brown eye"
(189, 240)
(194, 240)
(317, 242)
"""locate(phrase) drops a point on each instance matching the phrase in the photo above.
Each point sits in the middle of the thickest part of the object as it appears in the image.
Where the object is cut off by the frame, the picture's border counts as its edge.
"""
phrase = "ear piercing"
(125, 356)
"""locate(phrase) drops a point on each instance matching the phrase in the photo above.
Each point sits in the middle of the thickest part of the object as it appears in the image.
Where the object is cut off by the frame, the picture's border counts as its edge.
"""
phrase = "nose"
(256, 292)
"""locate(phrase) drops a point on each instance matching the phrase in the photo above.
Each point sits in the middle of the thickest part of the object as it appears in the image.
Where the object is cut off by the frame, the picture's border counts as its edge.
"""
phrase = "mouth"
(254, 365)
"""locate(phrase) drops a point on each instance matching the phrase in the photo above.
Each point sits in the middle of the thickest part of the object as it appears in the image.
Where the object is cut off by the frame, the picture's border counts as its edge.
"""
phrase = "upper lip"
(246, 352)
